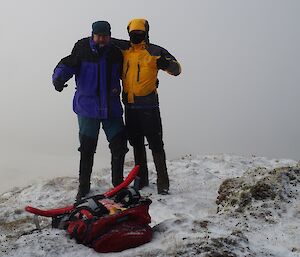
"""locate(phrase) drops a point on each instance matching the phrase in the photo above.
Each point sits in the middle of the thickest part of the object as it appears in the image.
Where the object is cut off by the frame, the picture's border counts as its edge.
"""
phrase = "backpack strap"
(89, 207)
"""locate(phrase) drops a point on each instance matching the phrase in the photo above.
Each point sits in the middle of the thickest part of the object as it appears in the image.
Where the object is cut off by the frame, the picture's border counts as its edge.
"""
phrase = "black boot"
(85, 171)
(118, 148)
(87, 150)
(117, 167)
(162, 173)
(140, 158)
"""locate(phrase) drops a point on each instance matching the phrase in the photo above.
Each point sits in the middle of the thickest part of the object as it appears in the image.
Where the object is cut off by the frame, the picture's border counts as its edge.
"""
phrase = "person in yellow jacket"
(141, 63)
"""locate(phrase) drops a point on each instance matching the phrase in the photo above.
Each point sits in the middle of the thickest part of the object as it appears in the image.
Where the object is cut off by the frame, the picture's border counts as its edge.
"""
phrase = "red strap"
(49, 213)
(125, 183)
(59, 211)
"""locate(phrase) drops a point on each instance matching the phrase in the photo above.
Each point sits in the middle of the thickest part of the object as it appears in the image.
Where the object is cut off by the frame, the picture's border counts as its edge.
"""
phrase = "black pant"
(142, 123)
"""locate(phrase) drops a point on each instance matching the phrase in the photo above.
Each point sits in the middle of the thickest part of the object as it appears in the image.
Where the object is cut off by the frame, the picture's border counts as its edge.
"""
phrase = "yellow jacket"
(139, 65)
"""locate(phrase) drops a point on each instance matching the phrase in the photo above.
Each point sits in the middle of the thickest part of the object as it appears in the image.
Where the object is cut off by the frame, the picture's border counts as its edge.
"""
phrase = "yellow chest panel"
(139, 73)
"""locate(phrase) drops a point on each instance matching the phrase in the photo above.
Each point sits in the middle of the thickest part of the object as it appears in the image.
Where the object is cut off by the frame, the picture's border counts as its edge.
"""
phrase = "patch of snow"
(188, 222)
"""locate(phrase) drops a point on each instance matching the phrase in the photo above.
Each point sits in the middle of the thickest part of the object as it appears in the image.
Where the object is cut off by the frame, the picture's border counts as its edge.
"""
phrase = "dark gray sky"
(238, 92)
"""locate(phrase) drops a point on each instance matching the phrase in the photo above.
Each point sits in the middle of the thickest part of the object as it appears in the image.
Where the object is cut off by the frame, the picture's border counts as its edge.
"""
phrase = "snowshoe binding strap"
(91, 207)
(128, 197)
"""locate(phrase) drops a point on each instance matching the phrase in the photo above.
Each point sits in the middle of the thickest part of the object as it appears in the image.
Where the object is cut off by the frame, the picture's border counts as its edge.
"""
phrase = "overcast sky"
(238, 92)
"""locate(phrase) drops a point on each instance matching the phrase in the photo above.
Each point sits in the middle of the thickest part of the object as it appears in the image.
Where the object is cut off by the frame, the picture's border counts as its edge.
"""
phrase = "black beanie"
(101, 28)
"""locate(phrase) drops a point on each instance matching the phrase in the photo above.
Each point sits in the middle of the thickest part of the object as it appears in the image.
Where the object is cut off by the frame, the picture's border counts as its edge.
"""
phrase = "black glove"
(162, 63)
(59, 85)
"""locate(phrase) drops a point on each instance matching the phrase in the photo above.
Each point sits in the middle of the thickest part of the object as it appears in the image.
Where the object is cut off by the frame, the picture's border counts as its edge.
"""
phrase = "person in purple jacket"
(97, 66)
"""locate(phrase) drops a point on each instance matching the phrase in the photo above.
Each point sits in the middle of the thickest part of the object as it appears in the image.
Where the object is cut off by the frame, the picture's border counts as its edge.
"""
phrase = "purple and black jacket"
(97, 74)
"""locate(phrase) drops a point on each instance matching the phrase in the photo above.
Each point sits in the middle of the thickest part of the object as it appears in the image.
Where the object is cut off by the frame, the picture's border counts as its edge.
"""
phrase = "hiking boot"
(163, 192)
(118, 148)
(140, 158)
(117, 167)
(162, 173)
(85, 171)
(83, 190)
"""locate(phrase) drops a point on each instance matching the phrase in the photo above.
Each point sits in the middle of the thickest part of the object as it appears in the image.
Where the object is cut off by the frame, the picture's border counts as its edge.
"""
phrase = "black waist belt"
(134, 106)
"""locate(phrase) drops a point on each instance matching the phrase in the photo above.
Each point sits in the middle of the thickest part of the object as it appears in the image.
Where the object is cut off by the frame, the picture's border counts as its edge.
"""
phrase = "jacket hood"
(138, 24)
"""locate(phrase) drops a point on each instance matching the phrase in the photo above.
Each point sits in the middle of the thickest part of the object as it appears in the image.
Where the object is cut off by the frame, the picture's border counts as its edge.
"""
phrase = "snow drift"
(220, 205)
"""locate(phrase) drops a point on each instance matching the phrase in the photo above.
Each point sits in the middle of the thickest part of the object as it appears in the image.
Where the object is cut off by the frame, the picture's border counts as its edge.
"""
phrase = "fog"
(238, 92)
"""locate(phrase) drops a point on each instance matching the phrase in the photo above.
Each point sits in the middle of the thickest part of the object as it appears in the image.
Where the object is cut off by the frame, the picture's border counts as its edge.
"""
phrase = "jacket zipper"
(138, 75)
(98, 88)
(127, 68)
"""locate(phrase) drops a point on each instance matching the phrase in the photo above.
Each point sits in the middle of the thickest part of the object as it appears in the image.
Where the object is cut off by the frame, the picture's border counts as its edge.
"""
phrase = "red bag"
(123, 236)
(109, 226)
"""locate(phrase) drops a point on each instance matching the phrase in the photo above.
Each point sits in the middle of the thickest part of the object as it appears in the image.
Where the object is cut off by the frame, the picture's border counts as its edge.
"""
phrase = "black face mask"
(137, 38)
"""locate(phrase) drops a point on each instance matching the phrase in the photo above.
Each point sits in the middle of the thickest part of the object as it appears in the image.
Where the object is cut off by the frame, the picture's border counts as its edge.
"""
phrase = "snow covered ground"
(220, 205)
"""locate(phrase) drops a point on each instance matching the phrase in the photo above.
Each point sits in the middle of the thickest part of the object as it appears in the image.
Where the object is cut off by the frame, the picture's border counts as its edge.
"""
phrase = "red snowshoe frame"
(55, 212)
(112, 222)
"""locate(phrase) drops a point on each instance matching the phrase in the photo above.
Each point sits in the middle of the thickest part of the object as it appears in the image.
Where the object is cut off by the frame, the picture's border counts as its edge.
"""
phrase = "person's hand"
(59, 85)
(162, 63)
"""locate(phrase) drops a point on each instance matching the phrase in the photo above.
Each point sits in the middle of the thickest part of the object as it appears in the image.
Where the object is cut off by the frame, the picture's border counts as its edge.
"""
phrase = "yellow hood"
(138, 24)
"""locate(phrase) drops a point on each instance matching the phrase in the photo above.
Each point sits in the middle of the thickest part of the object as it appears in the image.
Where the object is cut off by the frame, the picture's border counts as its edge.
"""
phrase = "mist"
(238, 92)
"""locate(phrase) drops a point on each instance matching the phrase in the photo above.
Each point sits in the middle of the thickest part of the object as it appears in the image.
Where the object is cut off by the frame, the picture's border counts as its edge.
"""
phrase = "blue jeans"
(89, 131)
(90, 127)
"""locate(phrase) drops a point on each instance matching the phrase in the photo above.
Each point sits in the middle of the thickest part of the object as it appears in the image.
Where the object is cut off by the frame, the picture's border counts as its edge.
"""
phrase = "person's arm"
(168, 63)
(121, 43)
(65, 69)
(119, 58)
